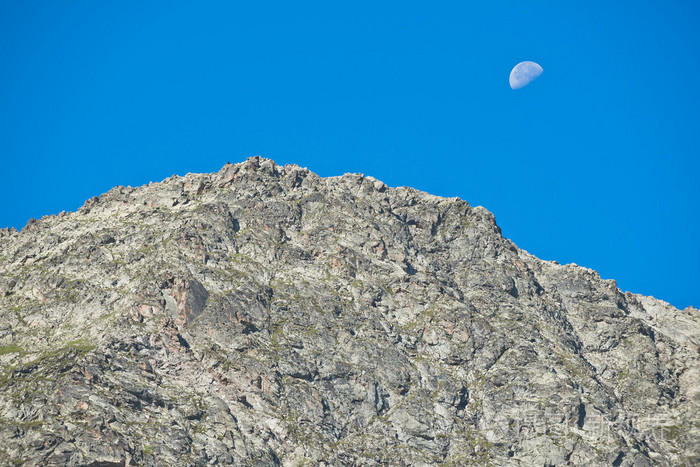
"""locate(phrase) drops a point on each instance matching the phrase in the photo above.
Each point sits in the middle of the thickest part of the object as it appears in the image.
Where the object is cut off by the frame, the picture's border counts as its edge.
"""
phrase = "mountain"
(263, 315)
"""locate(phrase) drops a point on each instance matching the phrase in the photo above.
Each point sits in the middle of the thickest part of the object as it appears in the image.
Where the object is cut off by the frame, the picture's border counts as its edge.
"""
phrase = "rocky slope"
(263, 315)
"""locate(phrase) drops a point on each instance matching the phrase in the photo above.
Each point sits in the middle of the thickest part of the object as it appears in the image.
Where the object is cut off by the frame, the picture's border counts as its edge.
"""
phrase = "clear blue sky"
(596, 162)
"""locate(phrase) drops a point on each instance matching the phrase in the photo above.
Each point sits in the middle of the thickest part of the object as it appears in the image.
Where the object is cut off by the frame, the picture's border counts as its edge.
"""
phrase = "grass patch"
(28, 425)
(53, 359)
(12, 348)
(673, 432)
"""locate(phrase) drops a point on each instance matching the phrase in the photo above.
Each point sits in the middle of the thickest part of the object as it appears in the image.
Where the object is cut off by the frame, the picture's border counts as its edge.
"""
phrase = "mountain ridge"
(272, 316)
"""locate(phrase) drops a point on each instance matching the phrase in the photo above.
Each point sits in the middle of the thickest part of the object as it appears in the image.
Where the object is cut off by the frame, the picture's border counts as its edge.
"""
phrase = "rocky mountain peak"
(265, 315)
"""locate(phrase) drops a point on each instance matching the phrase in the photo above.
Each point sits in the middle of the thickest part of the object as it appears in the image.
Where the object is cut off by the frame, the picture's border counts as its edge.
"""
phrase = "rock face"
(263, 315)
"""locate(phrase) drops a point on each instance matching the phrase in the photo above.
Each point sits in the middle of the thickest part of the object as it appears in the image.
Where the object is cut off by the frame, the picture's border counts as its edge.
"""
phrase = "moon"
(524, 73)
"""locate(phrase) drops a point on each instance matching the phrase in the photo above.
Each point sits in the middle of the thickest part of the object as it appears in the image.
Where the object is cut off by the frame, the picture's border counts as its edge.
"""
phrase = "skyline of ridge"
(596, 162)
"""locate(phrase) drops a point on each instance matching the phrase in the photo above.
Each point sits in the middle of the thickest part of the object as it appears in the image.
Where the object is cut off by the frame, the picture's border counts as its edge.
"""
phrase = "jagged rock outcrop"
(263, 315)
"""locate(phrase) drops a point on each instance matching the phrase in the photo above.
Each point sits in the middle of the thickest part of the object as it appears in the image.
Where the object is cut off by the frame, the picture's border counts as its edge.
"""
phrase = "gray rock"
(264, 315)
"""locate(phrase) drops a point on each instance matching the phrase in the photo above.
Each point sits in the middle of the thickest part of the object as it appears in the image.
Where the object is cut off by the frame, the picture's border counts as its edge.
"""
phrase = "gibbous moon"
(524, 73)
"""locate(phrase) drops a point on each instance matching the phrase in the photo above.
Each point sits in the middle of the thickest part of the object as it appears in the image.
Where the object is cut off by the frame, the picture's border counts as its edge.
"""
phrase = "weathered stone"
(263, 315)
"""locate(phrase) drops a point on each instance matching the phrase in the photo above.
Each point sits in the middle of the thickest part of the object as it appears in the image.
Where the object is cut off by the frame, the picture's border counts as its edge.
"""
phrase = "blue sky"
(596, 162)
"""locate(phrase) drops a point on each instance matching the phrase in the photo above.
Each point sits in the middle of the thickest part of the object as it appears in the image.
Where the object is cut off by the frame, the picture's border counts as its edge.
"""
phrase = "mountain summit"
(263, 315)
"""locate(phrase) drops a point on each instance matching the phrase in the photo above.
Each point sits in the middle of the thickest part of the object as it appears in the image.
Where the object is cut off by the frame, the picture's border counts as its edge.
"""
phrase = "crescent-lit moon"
(524, 73)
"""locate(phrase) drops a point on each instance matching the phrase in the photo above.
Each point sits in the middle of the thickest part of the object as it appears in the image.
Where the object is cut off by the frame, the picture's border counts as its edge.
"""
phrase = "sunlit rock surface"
(263, 315)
